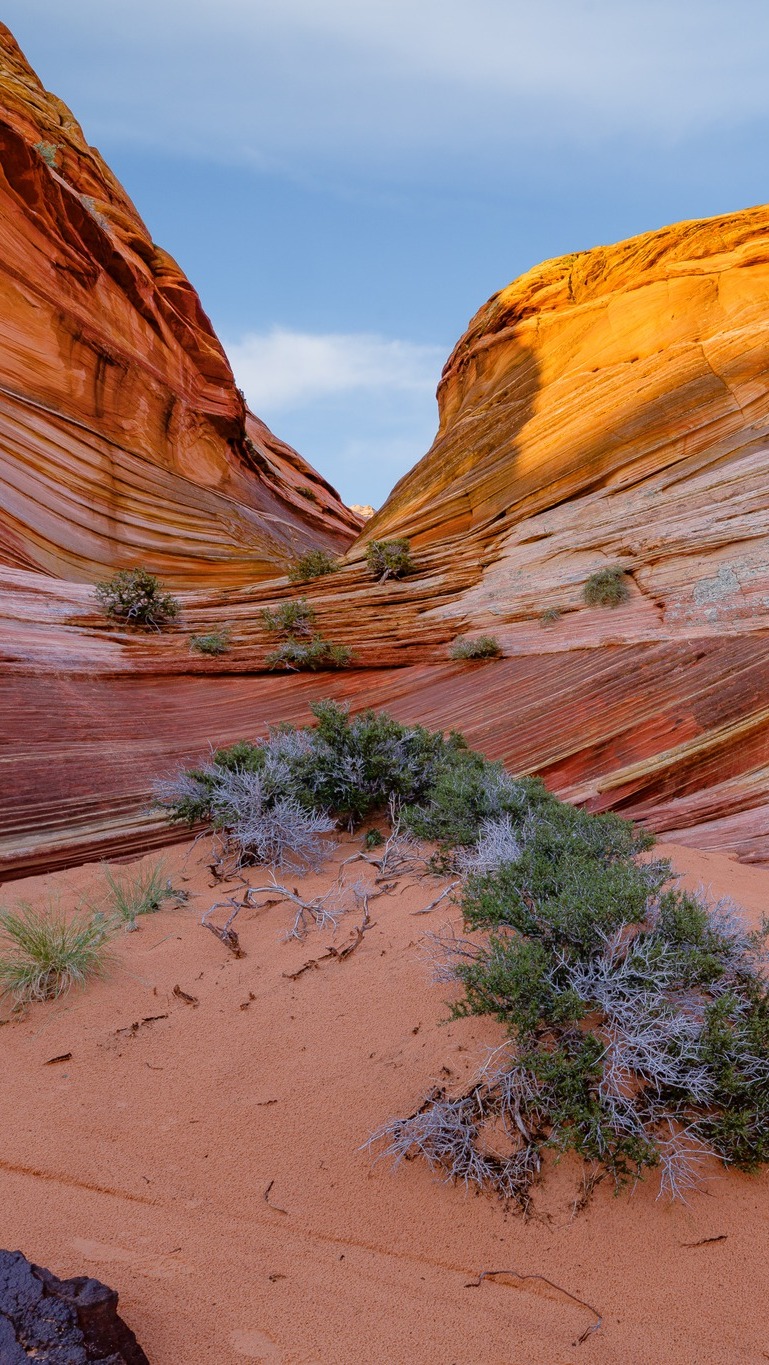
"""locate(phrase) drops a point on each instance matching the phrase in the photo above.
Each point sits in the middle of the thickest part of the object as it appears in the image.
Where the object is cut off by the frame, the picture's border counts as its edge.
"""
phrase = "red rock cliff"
(123, 438)
(607, 409)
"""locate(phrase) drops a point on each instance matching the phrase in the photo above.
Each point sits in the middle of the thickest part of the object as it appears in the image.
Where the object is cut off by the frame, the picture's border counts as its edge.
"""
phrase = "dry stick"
(437, 900)
(704, 1241)
(226, 934)
(339, 953)
(267, 1200)
(594, 1327)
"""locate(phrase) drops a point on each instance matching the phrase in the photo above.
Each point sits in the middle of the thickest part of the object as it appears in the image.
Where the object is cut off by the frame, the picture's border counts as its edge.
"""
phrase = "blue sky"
(346, 182)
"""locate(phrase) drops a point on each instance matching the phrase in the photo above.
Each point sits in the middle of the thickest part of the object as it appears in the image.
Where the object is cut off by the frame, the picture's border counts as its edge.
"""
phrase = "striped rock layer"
(606, 409)
(123, 439)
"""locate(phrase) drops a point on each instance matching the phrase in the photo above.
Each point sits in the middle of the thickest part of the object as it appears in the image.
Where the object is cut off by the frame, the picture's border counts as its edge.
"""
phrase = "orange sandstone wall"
(123, 439)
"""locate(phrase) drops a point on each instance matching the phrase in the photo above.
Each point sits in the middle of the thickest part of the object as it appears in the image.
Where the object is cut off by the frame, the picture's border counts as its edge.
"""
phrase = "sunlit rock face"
(123, 438)
(607, 409)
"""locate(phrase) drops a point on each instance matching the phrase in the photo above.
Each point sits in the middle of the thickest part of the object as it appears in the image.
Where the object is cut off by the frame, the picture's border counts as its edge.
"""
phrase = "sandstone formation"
(122, 435)
(608, 408)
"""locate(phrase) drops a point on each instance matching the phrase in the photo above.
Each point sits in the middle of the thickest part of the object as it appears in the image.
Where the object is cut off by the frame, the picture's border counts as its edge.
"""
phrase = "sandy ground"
(205, 1159)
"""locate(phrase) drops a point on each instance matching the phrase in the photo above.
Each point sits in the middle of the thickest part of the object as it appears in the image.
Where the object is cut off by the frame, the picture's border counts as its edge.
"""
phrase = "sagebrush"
(314, 564)
(636, 1014)
(482, 647)
(212, 642)
(390, 558)
(607, 588)
(137, 597)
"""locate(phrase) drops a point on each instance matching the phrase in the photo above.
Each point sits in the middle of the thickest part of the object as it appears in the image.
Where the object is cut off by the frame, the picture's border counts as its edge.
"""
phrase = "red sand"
(144, 1160)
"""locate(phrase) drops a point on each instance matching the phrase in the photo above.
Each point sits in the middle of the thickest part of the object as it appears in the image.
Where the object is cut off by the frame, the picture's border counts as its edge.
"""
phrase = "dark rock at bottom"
(60, 1322)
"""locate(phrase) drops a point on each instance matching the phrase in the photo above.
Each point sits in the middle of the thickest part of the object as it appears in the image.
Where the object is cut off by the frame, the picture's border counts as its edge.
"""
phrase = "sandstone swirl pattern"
(122, 435)
(608, 408)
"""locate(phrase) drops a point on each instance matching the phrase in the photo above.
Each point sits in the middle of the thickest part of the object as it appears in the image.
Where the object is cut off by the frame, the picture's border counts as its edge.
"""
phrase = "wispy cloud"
(361, 407)
(282, 369)
(267, 83)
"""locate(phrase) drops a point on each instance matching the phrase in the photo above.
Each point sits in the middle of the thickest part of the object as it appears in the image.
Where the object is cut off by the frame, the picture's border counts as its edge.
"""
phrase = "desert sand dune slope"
(201, 1151)
(607, 410)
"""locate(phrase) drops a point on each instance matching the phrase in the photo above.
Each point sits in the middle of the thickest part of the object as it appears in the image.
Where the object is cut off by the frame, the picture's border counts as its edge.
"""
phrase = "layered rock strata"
(123, 437)
(608, 409)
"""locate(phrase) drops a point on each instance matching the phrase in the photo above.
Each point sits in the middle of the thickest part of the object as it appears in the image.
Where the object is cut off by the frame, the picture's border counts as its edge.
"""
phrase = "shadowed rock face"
(60, 1322)
(122, 435)
(607, 409)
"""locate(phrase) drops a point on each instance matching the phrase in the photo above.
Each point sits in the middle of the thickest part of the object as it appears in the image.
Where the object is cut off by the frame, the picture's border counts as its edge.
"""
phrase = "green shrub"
(390, 558)
(49, 151)
(550, 615)
(311, 655)
(42, 955)
(637, 1014)
(315, 564)
(213, 642)
(307, 493)
(373, 838)
(136, 597)
(290, 618)
(606, 588)
(131, 893)
(483, 647)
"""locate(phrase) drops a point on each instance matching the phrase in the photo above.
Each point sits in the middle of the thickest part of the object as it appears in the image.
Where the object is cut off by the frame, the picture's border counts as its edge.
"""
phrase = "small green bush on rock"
(483, 647)
(315, 564)
(390, 558)
(213, 642)
(606, 588)
(290, 618)
(136, 597)
(308, 655)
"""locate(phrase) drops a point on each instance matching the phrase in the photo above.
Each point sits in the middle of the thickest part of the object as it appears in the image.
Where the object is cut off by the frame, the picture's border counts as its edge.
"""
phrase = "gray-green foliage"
(607, 587)
(482, 647)
(390, 558)
(211, 642)
(637, 1014)
(314, 564)
(136, 597)
(49, 151)
(132, 892)
(43, 953)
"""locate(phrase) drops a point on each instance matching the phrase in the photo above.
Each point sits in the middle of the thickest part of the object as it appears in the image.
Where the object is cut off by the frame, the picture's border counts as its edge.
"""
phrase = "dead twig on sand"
(225, 933)
(437, 900)
(340, 954)
(523, 1275)
(274, 1207)
(705, 1241)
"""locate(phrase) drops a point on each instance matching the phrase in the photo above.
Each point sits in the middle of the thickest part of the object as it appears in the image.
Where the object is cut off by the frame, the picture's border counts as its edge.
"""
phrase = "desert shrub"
(135, 892)
(373, 838)
(290, 618)
(43, 954)
(266, 826)
(314, 655)
(637, 1015)
(390, 558)
(483, 647)
(307, 493)
(213, 642)
(49, 151)
(315, 564)
(606, 588)
(137, 597)
(550, 616)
